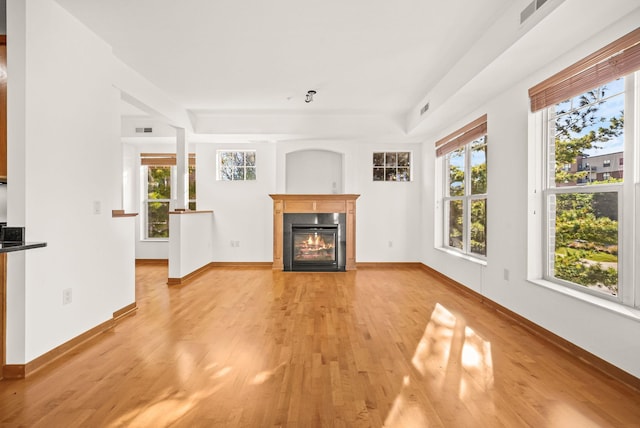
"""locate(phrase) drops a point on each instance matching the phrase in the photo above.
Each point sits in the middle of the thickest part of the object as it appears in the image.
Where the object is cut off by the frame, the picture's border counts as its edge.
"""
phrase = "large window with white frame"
(464, 195)
(158, 173)
(588, 206)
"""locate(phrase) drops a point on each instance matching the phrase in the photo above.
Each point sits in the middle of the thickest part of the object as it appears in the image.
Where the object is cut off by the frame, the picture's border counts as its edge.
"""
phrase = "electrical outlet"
(97, 208)
(67, 296)
(390, 244)
(505, 274)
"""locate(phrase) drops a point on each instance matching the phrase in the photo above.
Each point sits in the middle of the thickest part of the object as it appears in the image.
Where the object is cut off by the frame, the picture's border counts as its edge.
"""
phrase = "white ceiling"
(263, 55)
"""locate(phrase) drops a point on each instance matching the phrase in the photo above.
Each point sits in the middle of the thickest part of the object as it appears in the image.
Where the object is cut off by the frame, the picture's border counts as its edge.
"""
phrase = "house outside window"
(238, 165)
(464, 194)
(159, 198)
(392, 166)
(588, 223)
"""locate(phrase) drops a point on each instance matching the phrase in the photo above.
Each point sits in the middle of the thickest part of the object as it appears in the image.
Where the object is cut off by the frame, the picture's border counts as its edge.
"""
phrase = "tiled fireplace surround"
(319, 203)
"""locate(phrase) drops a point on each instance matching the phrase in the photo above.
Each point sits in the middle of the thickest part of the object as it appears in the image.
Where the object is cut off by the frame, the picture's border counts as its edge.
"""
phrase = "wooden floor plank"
(247, 347)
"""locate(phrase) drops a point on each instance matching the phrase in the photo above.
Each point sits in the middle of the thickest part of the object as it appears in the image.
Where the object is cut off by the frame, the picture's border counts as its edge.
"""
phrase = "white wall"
(603, 332)
(385, 212)
(243, 210)
(314, 171)
(388, 213)
(191, 243)
(63, 112)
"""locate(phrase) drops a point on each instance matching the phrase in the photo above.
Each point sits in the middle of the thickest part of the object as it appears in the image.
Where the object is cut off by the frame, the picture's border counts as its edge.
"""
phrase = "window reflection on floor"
(451, 360)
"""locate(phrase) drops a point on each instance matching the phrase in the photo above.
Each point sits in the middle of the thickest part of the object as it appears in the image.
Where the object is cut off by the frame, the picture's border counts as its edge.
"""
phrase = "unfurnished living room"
(320, 214)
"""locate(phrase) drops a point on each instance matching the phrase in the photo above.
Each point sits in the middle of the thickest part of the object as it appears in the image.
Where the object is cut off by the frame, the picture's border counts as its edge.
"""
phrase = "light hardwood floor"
(375, 347)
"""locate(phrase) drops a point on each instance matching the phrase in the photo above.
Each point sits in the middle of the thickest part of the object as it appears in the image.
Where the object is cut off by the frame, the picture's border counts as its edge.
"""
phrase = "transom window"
(392, 166)
(239, 165)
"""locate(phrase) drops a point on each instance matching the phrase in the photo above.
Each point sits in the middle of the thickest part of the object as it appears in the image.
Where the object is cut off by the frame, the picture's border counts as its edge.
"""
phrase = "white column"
(182, 170)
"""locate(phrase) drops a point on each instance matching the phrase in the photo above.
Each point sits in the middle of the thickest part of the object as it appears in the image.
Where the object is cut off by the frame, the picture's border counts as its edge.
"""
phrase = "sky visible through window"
(610, 103)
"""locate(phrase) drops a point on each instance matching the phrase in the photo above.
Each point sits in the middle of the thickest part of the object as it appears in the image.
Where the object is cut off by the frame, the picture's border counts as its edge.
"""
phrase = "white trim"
(461, 255)
(615, 307)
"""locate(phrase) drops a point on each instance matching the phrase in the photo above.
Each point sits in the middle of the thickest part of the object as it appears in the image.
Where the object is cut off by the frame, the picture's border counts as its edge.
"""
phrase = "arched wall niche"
(314, 172)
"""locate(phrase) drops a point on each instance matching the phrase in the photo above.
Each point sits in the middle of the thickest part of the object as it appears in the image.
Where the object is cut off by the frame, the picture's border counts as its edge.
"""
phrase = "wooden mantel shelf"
(314, 203)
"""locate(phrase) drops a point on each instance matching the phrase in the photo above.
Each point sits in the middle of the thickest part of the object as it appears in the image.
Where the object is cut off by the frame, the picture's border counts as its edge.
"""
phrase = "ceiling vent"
(143, 130)
(530, 9)
(424, 109)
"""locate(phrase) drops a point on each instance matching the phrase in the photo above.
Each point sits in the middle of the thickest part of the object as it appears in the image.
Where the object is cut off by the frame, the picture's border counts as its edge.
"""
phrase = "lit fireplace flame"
(316, 241)
(313, 247)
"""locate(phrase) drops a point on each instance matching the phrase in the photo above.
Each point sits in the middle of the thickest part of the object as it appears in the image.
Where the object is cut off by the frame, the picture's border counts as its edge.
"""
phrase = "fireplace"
(324, 213)
(314, 242)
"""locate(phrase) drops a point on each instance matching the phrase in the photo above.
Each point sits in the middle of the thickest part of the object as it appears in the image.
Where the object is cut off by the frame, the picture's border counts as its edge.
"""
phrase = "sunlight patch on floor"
(564, 415)
(452, 360)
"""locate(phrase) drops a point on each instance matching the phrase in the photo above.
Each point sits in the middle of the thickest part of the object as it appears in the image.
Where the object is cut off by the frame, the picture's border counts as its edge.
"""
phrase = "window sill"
(618, 308)
(155, 240)
(462, 256)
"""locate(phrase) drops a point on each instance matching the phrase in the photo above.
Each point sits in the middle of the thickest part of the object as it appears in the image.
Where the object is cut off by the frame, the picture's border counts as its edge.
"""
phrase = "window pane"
(390, 159)
(251, 173)
(404, 174)
(456, 172)
(404, 159)
(378, 159)
(238, 158)
(455, 224)
(378, 174)
(479, 226)
(238, 173)
(159, 182)
(586, 239)
(226, 159)
(479, 169)
(588, 137)
(157, 219)
(192, 182)
(390, 174)
(250, 158)
(226, 173)
(192, 206)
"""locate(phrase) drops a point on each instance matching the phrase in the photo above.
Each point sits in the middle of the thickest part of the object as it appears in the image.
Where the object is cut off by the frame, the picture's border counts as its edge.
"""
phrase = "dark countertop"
(8, 247)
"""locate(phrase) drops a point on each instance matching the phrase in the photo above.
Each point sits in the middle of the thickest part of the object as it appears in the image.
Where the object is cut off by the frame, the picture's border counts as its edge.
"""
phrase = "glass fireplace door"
(314, 245)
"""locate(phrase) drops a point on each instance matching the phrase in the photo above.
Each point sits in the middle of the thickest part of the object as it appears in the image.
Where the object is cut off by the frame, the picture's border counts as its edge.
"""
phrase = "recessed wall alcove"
(314, 172)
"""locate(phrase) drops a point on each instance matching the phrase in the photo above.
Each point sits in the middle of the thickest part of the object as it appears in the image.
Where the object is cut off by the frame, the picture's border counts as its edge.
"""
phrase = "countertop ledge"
(121, 213)
(9, 247)
(190, 212)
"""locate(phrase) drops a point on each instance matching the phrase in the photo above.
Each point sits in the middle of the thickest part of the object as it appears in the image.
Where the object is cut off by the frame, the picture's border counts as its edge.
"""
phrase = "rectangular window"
(159, 172)
(236, 165)
(584, 111)
(392, 166)
(582, 221)
(464, 197)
